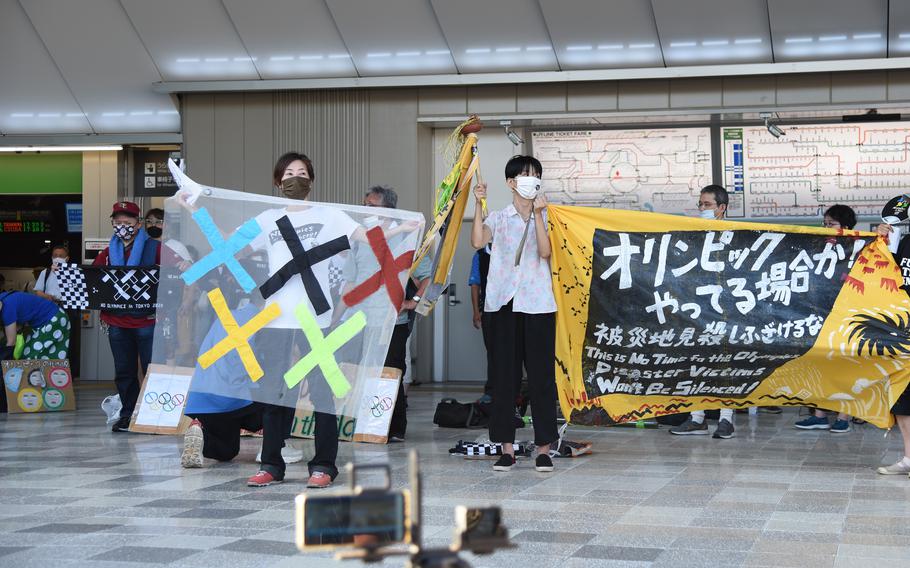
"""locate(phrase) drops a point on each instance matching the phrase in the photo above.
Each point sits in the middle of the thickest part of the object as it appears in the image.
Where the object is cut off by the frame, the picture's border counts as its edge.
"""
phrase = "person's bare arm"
(10, 334)
(540, 228)
(475, 303)
(480, 233)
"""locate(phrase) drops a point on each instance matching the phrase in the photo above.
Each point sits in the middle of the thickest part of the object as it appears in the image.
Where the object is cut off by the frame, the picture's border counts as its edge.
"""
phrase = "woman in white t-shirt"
(46, 285)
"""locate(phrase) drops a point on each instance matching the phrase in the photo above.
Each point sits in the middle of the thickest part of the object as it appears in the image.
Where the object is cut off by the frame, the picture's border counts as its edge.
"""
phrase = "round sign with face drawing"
(29, 400)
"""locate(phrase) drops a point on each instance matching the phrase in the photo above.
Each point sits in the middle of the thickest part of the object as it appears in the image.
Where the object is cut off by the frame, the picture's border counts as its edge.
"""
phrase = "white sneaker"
(289, 453)
(899, 468)
(192, 446)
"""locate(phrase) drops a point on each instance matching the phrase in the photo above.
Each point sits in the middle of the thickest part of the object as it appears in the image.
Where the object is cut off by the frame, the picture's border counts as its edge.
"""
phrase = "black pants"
(530, 339)
(221, 430)
(396, 358)
(486, 327)
(277, 420)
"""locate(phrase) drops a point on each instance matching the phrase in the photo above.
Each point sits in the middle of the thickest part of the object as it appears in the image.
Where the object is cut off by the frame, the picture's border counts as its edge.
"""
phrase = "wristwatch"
(416, 298)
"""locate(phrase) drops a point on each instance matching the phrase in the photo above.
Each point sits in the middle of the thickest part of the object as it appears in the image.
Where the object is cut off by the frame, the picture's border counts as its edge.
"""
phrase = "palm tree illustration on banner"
(887, 335)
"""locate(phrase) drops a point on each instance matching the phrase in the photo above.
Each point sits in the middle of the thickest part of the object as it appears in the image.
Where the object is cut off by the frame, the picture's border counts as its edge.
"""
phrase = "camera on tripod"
(370, 523)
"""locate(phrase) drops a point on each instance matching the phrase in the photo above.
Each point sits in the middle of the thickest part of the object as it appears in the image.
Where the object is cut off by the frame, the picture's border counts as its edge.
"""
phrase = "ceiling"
(88, 66)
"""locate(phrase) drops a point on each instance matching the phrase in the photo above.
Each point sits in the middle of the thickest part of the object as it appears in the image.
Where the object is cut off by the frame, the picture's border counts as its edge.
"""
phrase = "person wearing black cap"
(130, 331)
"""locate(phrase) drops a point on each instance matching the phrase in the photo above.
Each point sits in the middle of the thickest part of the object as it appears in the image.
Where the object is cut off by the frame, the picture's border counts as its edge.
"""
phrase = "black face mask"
(154, 232)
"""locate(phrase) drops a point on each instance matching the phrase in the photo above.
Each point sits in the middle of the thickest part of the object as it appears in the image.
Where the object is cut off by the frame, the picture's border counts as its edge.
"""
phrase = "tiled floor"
(73, 494)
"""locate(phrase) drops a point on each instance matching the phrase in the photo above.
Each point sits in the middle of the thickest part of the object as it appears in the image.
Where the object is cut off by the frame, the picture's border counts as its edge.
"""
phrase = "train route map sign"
(813, 167)
(659, 170)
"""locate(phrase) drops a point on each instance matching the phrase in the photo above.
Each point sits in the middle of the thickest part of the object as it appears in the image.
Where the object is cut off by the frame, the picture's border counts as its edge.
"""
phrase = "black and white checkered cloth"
(73, 292)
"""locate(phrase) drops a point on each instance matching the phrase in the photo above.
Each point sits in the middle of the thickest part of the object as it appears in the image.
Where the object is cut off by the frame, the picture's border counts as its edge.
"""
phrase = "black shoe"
(121, 425)
(543, 463)
(724, 430)
(504, 463)
(770, 409)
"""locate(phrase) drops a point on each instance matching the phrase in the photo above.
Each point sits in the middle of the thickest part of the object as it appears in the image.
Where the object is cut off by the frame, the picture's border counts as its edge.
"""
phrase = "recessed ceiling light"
(867, 36)
(281, 58)
(242, 59)
(538, 48)
(476, 50)
(715, 42)
(798, 40)
(188, 60)
(380, 54)
(507, 49)
(168, 112)
(833, 38)
(340, 56)
(310, 57)
(75, 114)
(22, 115)
(438, 52)
(48, 115)
(216, 59)
(682, 44)
(579, 47)
(641, 45)
(109, 114)
(141, 113)
(905, 35)
(610, 46)
(747, 40)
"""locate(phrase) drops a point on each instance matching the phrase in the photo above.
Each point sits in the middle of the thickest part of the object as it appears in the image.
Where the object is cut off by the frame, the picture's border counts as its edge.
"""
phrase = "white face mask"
(58, 260)
(527, 186)
(707, 214)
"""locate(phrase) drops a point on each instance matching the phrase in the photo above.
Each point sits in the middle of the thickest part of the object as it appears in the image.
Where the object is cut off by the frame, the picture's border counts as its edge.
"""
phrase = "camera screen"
(482, 524)
(358, 520)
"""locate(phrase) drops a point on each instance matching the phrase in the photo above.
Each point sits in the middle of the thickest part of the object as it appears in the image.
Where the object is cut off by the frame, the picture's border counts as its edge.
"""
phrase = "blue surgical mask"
(707, 214)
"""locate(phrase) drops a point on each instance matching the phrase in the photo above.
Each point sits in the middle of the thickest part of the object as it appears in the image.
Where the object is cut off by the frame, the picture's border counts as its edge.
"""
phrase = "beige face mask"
(296, 187)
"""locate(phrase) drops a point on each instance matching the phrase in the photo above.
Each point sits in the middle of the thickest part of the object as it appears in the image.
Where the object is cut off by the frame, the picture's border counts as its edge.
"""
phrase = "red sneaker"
(262, 479)
(319, 480)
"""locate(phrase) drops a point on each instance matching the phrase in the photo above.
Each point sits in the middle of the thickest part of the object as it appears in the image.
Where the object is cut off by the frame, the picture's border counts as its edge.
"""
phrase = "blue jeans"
(131, 348)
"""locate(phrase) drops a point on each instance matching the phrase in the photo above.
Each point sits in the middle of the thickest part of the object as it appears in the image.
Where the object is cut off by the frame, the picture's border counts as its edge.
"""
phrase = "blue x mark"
(223, 251)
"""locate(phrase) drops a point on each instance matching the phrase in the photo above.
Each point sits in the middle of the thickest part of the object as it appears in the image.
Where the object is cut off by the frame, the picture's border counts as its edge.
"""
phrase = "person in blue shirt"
(49, 326)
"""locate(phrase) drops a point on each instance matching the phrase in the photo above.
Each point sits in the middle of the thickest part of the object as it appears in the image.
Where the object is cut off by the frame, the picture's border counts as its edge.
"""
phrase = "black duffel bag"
(453, 414)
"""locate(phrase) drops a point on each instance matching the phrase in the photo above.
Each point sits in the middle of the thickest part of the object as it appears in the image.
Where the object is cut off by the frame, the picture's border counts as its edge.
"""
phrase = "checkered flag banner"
(73, 294)
(108, 287)
(483, 448)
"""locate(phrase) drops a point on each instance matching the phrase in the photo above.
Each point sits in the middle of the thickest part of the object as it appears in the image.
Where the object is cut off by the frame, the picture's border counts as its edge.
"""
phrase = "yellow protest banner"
(661, 314)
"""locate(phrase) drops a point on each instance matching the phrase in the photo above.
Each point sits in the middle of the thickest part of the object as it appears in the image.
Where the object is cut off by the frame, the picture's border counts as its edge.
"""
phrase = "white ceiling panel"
(899, 29)
(392, 37)
(191, 40)
(738, 31)
(497, 35)
(813, 30)
(592, 34)
(105, 64)
(34, 98)
(291, 38)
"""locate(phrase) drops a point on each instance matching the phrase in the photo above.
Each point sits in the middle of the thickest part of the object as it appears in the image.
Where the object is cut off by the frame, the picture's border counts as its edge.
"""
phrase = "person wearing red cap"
(130, 331)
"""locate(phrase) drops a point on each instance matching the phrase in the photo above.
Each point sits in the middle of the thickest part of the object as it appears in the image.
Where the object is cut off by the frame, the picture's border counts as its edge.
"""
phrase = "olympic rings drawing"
(379, 406)
(164, 401)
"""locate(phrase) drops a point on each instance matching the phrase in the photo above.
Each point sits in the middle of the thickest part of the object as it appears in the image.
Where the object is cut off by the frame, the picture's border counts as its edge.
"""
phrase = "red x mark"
(389, 268)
